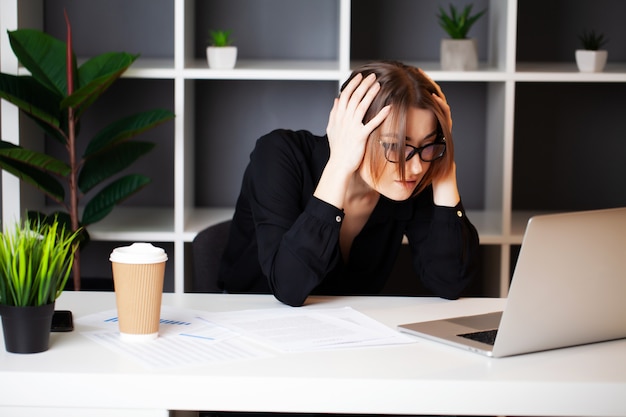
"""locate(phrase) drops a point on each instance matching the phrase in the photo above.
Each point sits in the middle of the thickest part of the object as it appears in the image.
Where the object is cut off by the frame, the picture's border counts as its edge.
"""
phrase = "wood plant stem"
(74, 194)
(71, 143)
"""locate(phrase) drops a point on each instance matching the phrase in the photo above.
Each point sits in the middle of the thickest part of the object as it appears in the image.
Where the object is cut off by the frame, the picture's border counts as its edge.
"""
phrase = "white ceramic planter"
(221, 57)
(459, 55)
(591, 61)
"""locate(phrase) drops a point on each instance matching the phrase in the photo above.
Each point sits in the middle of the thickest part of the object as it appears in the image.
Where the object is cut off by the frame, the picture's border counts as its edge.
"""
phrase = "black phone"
(62, 321)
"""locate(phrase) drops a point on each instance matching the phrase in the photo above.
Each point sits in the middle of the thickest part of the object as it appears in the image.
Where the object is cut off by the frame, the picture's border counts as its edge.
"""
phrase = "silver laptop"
(568, 288)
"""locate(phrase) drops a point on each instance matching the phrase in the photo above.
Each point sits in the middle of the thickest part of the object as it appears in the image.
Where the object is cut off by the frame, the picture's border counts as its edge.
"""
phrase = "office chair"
(207, 249)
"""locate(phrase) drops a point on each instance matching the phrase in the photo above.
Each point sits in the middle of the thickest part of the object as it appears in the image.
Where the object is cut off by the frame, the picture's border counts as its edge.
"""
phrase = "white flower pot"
(591, 61)
(459, 55)
(221, 57)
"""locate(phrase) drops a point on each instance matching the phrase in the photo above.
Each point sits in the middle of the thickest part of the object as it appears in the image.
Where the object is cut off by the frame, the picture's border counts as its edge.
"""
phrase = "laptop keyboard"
(486, 336)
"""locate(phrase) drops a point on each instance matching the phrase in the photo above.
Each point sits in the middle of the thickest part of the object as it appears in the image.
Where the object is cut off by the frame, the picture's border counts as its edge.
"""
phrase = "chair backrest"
(207, 249)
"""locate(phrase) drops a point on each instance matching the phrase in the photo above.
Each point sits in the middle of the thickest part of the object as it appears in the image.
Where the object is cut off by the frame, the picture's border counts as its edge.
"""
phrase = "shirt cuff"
(324, 211)
(444, 213)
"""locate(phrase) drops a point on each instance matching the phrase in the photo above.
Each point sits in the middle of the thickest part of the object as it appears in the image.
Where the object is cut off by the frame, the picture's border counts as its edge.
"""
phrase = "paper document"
(298, 329)
(191, 338)
(184, 339)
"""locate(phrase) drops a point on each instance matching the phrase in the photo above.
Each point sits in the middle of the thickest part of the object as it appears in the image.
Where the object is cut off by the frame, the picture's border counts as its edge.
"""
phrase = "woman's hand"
(440, 98)
(347, 135)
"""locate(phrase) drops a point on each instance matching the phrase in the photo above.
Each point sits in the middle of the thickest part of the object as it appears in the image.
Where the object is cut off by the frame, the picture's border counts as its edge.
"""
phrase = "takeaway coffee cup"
(138, 273)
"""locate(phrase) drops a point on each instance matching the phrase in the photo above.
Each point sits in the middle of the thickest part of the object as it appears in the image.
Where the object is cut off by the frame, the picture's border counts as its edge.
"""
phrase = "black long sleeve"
(285, 241)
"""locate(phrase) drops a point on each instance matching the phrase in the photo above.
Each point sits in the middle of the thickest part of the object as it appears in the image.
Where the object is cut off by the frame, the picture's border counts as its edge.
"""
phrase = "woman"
(327, 214)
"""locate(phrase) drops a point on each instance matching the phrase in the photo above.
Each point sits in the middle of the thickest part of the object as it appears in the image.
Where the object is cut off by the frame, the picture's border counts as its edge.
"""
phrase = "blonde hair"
(403, 86)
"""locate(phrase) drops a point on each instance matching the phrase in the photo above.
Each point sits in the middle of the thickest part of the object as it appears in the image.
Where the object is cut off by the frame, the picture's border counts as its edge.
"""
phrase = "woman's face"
(421, 128)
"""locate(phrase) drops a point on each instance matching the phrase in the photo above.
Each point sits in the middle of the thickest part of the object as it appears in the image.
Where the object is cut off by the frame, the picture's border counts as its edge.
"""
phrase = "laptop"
(568, 289)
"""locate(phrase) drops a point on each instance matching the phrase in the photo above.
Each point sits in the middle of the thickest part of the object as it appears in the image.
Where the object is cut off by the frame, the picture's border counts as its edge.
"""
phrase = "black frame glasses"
(437, 149)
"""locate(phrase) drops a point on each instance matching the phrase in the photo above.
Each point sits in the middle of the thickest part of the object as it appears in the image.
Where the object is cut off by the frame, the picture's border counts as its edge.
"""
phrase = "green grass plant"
(36, 260)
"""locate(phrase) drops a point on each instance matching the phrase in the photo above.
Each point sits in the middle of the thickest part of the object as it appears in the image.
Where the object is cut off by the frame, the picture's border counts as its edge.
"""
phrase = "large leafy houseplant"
(55, 95)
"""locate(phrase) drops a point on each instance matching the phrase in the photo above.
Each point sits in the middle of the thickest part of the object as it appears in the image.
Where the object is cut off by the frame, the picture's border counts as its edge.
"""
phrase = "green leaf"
(102, 203)
(31, 97)
(126, 128)
(33, 158)
(95, 76)
(43, 55)
(35, 177)
(104, 66)
(105, 164)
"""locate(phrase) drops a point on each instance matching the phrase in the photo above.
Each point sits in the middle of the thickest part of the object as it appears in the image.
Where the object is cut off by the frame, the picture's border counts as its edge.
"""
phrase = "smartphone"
(62, 321)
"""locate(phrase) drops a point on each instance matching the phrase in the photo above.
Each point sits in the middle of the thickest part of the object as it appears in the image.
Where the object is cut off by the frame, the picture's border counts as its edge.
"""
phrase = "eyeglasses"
(427, 153)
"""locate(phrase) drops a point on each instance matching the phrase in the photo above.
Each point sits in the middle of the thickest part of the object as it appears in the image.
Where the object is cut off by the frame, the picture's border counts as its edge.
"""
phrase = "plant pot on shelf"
(221, 57)
(26, 329)
(459, 55)
(591, 61)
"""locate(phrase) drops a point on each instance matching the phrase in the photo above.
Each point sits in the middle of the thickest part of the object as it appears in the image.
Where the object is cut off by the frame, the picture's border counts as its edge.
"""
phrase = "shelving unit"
(293, 57)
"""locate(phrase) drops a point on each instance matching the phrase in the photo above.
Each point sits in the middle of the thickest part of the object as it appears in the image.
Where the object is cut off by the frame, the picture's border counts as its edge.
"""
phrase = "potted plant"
(591, 58)
(221, 54)
(458, 53)
(55, 95)
(36, 260)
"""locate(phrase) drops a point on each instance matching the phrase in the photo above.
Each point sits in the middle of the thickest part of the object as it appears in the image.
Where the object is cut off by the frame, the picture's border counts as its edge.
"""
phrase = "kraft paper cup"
(138, 273)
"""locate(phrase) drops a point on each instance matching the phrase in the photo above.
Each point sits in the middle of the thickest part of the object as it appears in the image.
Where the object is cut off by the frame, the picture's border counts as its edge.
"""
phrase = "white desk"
(422, 378)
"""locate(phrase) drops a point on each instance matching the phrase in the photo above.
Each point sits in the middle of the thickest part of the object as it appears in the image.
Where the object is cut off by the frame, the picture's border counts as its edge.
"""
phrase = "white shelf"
(267, 70)
(127, 224)
(568, 72)
(135, 224)
(484, 73)
(489, 226)
(151, 68)
(247, 69)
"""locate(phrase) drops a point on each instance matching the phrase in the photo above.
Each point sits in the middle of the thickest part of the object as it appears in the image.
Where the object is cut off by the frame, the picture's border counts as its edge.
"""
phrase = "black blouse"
(285, 241)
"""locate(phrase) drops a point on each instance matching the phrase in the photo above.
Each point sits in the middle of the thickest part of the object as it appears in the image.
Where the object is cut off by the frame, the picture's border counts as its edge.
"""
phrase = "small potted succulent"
(591, 58)
(221, 54)
(36, 258)
(458, 53)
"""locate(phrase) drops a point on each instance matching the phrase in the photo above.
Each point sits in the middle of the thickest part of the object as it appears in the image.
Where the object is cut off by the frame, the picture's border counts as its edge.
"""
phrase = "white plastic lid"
(138, 253)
